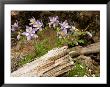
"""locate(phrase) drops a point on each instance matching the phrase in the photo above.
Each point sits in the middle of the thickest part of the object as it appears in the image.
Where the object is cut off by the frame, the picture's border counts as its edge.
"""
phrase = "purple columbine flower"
(65, 26)
(32, 20)
(53, 21)
(30, 33)
(38, 25)
(14, 26)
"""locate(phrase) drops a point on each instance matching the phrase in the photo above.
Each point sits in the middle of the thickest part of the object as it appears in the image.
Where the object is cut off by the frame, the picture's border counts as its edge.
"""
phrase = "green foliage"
(58, 29)
(72, 39)
(72, 43)
(49, 41)
(41, 48)
(28, 58)
(60, 42)
(79, 33)
(79, 70)
(81, 41)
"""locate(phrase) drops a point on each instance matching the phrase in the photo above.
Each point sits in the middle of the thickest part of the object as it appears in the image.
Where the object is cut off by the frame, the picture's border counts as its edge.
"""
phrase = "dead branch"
(76, 51)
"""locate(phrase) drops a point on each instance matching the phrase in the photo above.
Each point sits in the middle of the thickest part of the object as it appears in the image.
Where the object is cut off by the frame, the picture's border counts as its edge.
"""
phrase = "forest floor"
(27, 51)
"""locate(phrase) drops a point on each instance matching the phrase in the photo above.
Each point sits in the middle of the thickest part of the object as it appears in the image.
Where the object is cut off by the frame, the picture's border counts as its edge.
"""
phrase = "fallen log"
(76, 51)
(55, 62)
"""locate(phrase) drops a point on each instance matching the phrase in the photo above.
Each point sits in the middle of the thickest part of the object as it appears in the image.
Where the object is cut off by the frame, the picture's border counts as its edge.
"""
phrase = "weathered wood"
(51, 64)
(55, 62)
(93, 48)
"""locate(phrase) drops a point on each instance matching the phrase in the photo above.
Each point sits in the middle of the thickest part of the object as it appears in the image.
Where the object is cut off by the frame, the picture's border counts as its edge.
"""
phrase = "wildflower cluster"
(31, 30)
(37, 25)
(54, 22)
(64, 26)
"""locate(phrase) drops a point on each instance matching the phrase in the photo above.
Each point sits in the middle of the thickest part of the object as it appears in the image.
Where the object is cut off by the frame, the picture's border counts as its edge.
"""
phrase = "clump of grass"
(41, 48)
(28, 58)
(79, 70)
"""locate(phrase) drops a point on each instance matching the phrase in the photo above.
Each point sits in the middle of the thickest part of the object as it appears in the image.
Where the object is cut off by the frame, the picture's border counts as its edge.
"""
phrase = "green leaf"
(81, 41)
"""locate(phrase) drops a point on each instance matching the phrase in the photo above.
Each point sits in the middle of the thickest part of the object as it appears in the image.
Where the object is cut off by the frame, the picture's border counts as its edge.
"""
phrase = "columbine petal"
(30, 28)
(50, 18)
(32, 20)
(54, 25)
(56, 17)
(15, 26)
(27, 30)
(13, 29)
(27, 27)
(65, 31)
(50, 24)
(25, 33)
(35, 36)
(30, 23)
(33, 31)
(18, 37)
(34, 25)
(29, 37)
